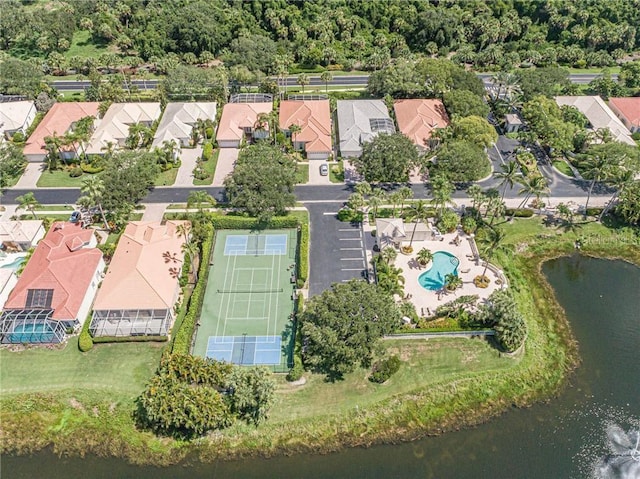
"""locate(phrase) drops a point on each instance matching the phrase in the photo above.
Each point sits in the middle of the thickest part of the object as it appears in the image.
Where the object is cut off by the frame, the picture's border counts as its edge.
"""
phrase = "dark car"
(75, 217)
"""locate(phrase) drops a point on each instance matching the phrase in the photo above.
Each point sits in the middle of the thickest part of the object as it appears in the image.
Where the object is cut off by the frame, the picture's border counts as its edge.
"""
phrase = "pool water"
(443, 264)
(15, 264)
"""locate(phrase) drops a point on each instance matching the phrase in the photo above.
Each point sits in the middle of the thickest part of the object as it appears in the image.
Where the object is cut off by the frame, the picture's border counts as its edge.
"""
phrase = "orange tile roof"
(236, 116)
(67, 271)
(148, 256)
(58, 120)
(314, 119)
(629, 107)
(417, 118)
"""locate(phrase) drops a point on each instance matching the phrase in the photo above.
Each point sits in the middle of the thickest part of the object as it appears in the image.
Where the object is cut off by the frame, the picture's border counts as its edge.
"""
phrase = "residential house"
(240, 121)
(178, 121)
(8, 281)
(313, 117)
(20, 235)
(16, 116)
(418, 118)
(148, 260)
(628, 111)
(599, 115)
(60, 119)
(512, 123)
(359, 121)
(113, 128)
(56, 288)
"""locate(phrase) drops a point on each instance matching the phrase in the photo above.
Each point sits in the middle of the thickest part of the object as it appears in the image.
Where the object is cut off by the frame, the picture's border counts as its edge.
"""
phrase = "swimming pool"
(15, 263)
(443, 264)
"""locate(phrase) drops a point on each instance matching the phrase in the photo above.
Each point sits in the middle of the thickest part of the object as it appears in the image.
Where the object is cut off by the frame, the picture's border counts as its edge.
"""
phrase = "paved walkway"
(226, 161)
(9, 211)
(154, 211)
(188, 158)
(31, 175)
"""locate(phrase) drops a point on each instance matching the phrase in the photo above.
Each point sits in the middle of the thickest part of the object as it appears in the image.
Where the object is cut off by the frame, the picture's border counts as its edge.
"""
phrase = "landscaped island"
(82, 403)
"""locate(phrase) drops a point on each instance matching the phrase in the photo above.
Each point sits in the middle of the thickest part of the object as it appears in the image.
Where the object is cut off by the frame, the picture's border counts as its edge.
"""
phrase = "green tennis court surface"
(248, 305)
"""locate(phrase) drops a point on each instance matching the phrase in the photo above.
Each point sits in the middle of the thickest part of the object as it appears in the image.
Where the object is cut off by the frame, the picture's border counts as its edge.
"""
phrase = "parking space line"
(350, 239)
(330, 213)
(351, 269)
(351, 229)
(350, 249)
(352, 259)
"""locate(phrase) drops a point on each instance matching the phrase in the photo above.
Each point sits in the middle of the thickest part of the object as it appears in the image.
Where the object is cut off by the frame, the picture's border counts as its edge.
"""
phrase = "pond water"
(569, 437)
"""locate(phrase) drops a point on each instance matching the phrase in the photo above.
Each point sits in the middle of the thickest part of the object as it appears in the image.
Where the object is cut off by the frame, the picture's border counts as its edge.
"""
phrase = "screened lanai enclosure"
(131, 322)
(30, 326)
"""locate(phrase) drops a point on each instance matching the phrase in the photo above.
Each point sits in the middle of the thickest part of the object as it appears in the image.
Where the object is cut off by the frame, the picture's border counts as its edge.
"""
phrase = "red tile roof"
(57, 264)
(629, 107)
(314, 119)
(417, 118)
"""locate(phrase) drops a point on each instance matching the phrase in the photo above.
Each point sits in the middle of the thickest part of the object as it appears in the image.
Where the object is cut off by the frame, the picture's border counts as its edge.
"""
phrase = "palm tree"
(424, 256)
(363, 188)
(452, 282)
(418, 213)
(508, 176)
(303, 80)
(189, 248)
(388, 254)
(294, 128)
(93, 189)
(377, 198)
(389, 278)
(356, 201)
(442, 189)
(199, 198)
(477, 195)
(28, 202)
(497, 208)
(597, 168)
(405, 194)
(395, 199)
(491, 243)
(532, 186)
(326, 77)
(620, 182)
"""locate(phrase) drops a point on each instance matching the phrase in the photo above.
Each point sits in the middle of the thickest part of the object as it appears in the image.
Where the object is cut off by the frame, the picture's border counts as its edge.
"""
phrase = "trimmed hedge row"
(519, 213)
(85, 341)
(303, 255)
(130, 339)
(184, 334)
(297, 370)
(229, 222)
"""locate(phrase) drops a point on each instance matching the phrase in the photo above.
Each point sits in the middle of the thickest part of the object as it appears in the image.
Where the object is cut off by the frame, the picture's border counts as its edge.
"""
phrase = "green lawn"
(425, 363)
(54, 208)
(12, 180)
(166, 178)
(60, 179)
(302, 173)
(52, 217)
(210, 168)
(83, 46)
(336, 172)
(121, 368)
(563, 167)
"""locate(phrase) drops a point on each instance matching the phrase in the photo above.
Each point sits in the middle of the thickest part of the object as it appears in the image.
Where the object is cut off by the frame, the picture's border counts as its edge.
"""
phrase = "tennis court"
(247, 311)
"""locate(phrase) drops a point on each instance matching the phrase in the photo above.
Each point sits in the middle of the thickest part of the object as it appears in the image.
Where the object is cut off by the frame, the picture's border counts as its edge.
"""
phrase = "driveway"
(226, 162)
(31, 175)
(188, 159)
(336, 248)
(315, 178)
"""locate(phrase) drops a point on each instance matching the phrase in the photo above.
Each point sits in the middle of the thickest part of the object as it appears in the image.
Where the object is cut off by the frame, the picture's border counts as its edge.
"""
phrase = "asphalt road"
(292, 81)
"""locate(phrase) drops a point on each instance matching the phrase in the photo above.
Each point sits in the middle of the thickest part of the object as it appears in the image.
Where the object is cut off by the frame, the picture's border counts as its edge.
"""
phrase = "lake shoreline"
(542, 372)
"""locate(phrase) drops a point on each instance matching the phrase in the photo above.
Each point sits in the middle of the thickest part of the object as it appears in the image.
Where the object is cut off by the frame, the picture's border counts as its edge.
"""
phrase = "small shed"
(512, 123)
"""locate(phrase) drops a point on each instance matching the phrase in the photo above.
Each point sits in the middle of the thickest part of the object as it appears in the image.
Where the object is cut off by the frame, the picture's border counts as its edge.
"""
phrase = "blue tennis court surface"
(245, 350)
(255, 244)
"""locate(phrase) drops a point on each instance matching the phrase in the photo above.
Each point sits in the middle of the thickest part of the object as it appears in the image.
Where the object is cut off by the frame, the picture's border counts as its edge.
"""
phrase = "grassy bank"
(443, 384)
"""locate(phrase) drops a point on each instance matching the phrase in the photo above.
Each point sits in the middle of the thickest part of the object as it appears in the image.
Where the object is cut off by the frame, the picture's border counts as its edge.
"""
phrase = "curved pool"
(443, 264)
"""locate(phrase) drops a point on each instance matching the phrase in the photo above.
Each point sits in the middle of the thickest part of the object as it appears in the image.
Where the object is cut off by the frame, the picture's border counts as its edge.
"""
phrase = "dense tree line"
(349, 33)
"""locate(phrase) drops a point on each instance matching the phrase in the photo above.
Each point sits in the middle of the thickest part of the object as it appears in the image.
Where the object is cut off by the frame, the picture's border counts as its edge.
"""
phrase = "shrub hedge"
(303, 255)
(230, 222)
(130, 339)
(297, 370)
(519, 213)
(85, 341)
(384, 369)
(182, 337)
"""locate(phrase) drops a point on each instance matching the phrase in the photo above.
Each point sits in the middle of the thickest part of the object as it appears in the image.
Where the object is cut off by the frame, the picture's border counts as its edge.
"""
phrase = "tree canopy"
(461, 161)
(186, 82)
(262, 182)
(464, 103)
(387, 159)
(19, 77)
(12, 162)
(129, 176)
(341, 326)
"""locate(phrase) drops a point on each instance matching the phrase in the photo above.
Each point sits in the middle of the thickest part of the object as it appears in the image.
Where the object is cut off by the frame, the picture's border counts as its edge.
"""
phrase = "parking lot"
(337, 253)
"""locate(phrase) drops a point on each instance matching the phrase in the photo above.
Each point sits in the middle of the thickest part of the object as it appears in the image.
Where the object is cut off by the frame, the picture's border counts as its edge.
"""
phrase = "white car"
(324, 169)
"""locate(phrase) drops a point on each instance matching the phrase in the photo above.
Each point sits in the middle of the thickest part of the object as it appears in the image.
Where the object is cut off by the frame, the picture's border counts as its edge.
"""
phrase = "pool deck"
(427, 301)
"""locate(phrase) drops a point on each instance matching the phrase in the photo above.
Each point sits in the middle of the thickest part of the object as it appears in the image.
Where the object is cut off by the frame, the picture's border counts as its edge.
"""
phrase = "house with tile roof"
(239, 121)
(359, 121)
(418, 118)
(179, 119)
(113, 128)
(599, 116)
(314, 119)
(148, 260)
(60, 119)
(628, 111)
(56, 288)
(16, 116)
(20, 235)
